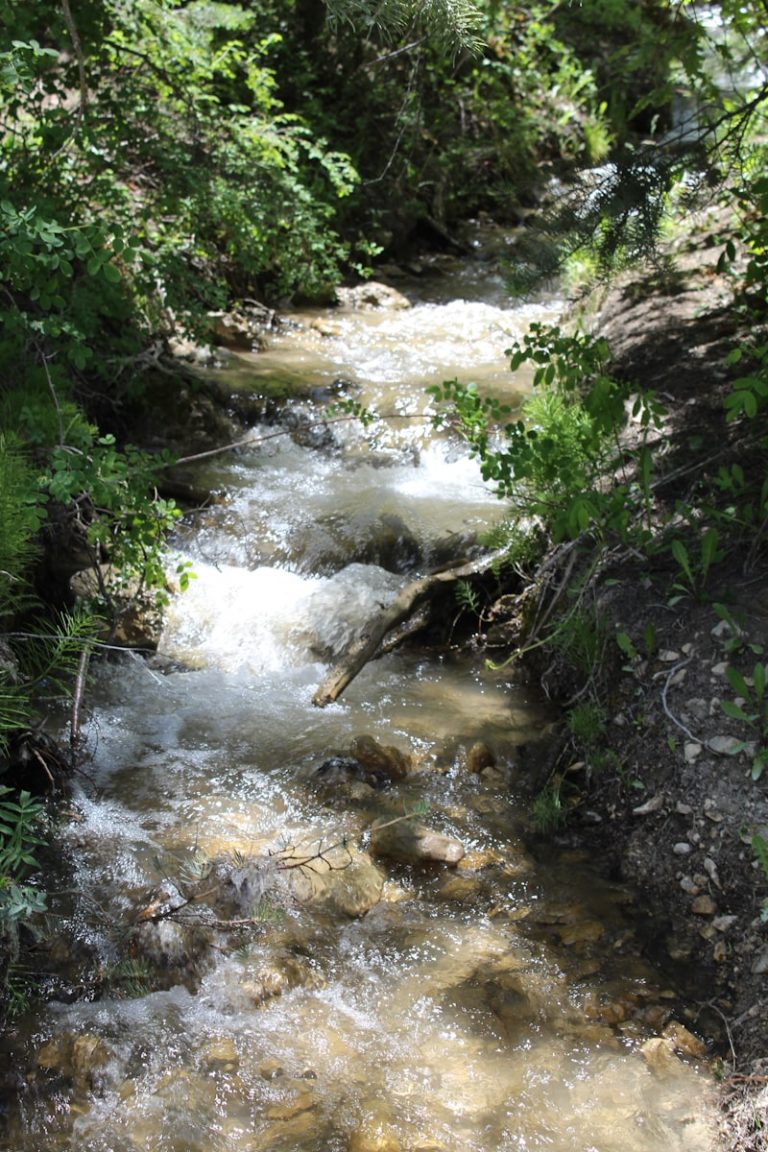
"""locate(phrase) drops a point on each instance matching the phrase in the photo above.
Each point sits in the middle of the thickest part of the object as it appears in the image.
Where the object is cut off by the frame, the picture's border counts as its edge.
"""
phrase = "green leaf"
(737, 682)
(735, 712)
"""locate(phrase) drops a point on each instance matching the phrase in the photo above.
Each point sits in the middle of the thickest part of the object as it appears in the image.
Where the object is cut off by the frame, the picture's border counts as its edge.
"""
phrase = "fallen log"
(368, 643)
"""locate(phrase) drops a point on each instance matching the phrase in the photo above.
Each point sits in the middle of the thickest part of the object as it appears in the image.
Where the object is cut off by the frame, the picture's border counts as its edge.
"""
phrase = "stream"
(458, 992)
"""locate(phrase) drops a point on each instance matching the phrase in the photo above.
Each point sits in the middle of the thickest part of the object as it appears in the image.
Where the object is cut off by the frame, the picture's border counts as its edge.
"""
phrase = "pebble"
(760, 963)
(723, 923)
(711, 870)
(691, 751)
(683, 809)
(688, 885)
(725, 745)
(668, 656)
(704, 905)
(682, 848)
(651, 805)
(719, 669)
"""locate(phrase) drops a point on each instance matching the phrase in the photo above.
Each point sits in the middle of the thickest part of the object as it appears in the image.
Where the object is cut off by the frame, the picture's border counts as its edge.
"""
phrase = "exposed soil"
(661, 795)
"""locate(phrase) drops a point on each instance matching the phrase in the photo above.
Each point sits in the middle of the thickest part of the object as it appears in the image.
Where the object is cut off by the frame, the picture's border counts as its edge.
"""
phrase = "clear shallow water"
(497, 1005)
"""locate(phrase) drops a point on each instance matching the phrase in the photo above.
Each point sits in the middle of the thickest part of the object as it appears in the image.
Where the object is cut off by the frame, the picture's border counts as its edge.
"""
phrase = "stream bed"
(279, 970)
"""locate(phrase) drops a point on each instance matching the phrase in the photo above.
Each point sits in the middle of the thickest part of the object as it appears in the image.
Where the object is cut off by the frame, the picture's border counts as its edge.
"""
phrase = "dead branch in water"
(368, 643)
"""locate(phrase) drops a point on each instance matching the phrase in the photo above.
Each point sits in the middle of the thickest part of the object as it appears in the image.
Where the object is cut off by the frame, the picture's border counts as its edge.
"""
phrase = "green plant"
(587, 723)
(750, 707)
(20, 816)
(111, 494)
(552, 461)
(760, 849)
(467, 597)
(548, 813)
(693, 571)
(737, 640)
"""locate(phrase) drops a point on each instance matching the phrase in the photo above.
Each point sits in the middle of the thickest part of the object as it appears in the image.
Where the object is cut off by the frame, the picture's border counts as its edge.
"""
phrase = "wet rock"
(480, 757)
(346, 774)
(306, 1130)
(586, 932)
(683, 1040)
(178, 952)
(265, 982)
(303, 1101)
(351, 886)
(659, 1054)
(382, 761)
(271, 1069)
(373, 1139)
(221, 1055)
(89, 1057)
(56, 1055)
(411, 842)
(370, 296)
(138, 621)
(242, 330)
(81, 1059)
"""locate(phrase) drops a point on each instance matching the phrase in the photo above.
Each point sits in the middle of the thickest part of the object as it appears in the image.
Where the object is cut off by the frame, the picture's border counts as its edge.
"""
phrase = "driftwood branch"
(368, 643)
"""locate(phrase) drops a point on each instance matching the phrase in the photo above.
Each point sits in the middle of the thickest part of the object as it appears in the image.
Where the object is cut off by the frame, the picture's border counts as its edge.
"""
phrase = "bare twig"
(75, 38)
(77, 698)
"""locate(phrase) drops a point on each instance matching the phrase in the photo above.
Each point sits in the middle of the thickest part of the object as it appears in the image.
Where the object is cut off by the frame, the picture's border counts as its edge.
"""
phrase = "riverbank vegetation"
(165, 161)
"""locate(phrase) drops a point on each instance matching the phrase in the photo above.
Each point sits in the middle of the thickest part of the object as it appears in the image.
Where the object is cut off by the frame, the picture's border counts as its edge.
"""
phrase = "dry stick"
(251, 441)
(72, 29)
(77, 699)
(408, 599)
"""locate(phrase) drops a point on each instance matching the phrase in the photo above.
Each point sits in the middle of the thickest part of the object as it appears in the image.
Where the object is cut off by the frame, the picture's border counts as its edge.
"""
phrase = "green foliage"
(548, 812)
(693, 572)
(751, 708)
(760, 850)
(587, 723)
(452, 25)
(737, 640)
(19, 820)
(552, 461)
(467, 597)
(749, 394)
(112, 488)
(21, 515)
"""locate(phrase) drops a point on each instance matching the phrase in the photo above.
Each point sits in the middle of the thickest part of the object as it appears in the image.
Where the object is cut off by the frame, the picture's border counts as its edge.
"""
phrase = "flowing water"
(373, 1002)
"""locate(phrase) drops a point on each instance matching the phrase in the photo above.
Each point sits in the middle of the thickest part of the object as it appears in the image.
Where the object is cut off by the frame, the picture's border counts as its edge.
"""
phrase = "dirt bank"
(659, 789)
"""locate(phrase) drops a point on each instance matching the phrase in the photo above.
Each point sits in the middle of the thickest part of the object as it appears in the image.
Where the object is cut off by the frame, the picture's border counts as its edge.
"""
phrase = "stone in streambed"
(411, 842)
(382, 761)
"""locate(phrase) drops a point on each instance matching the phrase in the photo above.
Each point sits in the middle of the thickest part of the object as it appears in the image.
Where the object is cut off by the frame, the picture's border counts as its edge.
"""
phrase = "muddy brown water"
(379, 1004)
